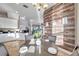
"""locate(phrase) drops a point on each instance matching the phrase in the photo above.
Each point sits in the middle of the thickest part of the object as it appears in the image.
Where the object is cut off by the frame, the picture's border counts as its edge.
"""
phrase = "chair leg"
(7, 54)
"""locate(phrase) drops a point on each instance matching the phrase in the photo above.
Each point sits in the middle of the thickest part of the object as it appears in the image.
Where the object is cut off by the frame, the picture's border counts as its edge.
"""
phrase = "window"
(64, 20)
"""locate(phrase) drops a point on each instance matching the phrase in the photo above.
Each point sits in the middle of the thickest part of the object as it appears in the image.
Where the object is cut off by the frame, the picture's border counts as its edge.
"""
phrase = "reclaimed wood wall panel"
(57, 12)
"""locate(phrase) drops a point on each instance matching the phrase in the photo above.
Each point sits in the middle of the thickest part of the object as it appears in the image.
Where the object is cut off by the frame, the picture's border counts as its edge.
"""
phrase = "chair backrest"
(13, 47)
(3, 51)
(52, 39)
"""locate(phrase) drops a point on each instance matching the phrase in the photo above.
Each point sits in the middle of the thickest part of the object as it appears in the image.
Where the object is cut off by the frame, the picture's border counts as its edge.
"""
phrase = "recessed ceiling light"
(16, 11)
(25, 6)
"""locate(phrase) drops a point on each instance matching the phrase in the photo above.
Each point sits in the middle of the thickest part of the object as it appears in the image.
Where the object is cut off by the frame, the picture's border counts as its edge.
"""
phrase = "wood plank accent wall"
(57, 12)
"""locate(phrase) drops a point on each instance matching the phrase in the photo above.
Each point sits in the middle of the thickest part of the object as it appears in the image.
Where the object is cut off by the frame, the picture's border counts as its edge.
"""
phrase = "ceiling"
(29, 13)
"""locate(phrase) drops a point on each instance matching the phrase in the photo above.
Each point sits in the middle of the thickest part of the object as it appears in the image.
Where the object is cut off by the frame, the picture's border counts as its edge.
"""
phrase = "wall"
(23, 23)
(77, 23)
(57, 13)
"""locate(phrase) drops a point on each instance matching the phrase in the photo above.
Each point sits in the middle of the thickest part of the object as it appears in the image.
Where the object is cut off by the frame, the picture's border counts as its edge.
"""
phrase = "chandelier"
(40, 6)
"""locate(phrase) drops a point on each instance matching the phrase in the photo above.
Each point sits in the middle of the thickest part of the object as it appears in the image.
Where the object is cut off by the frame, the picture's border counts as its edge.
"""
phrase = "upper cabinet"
(7, 23)
(8, 20)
